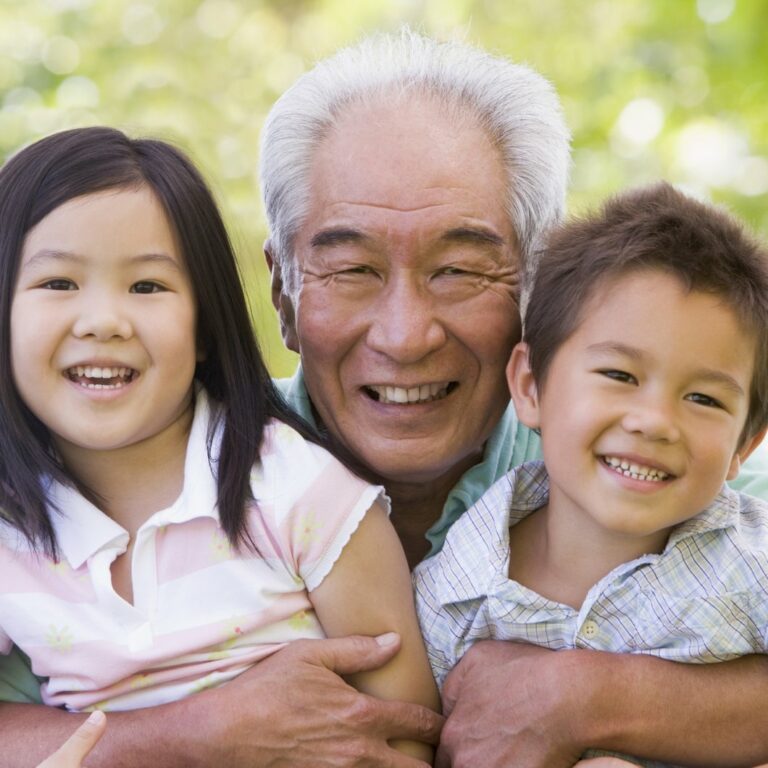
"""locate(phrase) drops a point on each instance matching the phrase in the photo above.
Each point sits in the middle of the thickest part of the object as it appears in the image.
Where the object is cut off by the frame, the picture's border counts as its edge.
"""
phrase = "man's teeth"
(424, 393)
(635, 471)
(95, 377)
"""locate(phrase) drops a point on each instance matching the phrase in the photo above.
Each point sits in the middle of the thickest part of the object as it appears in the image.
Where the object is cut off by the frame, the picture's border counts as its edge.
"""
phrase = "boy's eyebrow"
(706, 375)
(51, 254)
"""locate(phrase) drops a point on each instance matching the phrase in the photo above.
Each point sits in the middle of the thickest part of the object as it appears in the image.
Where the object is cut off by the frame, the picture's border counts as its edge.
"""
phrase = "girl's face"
(103, 342)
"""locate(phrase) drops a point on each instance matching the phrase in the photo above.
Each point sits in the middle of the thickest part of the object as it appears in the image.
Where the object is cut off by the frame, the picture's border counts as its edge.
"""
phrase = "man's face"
(408, 308)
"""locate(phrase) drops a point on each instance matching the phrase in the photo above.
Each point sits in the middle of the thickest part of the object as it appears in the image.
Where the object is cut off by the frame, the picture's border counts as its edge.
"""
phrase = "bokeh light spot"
(60, 55)
(141, 24)
(715, 11)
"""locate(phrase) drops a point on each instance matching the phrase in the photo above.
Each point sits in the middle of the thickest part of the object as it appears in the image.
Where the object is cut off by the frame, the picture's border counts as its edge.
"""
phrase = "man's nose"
(406, 325)
(654, 417)
(103, 318)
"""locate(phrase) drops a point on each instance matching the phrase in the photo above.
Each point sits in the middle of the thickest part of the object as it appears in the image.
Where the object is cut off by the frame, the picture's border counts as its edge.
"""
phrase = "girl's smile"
(103, 323)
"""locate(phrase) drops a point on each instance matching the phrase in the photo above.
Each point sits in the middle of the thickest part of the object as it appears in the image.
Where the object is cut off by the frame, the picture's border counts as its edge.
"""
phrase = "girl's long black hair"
(83, 161)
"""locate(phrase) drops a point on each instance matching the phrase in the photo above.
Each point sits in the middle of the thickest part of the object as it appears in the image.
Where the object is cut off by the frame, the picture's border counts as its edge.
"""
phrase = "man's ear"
(741, 455)
(522, 387)
(281, 301)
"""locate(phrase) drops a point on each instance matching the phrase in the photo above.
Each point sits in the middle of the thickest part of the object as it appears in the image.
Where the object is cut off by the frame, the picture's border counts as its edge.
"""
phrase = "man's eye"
(700, 399)
(360, 269)
(622, 376)
(453, 271)
(59, 284)
(146, 286)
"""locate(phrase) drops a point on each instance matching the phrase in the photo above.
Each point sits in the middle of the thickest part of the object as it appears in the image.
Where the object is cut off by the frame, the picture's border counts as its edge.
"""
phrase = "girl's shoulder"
(291, 464)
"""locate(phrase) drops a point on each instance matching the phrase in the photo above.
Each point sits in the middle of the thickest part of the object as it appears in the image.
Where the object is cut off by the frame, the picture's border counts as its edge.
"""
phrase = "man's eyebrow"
(51, 254)
(472, 235)
(704, 375)
(336, 236)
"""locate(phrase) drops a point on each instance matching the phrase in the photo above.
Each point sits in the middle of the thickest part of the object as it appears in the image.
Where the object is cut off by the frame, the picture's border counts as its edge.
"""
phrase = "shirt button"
(589, 629)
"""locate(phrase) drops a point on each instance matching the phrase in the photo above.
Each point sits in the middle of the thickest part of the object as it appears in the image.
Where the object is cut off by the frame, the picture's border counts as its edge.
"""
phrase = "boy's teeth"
(635, 471)
(423, 393)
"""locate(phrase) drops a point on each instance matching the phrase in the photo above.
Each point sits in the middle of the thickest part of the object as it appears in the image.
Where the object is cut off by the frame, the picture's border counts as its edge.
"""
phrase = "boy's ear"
(522, 387)
(281, 301)
(741, 455)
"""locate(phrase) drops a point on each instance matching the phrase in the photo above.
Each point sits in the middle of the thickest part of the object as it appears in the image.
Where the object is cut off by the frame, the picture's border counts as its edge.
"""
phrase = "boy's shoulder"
(726, 545)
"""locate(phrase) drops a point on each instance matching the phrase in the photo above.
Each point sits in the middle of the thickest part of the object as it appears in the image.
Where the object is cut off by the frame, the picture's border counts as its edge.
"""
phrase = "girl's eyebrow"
(48, 254)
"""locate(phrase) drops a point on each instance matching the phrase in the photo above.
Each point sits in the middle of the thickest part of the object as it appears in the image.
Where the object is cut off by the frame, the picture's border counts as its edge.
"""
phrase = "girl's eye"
(700, 399)
(622, 376)
(146, 286)
(59, 284)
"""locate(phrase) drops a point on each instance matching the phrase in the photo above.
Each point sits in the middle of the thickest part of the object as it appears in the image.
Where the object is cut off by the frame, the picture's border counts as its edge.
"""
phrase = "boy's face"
(642, 407)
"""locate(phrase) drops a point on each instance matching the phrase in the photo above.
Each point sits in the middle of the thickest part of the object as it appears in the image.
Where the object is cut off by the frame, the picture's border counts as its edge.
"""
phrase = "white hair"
(516, 106)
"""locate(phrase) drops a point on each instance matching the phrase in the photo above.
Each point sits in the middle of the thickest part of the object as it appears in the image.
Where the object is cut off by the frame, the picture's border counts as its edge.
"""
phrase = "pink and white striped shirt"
(202, 612)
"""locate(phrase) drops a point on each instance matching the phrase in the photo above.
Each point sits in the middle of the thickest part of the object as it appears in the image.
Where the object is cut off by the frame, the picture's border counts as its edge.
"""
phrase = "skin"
(408, 255)
(621, 389)
(560, 703)
(77, 747)
(378, 171)
(101, 284)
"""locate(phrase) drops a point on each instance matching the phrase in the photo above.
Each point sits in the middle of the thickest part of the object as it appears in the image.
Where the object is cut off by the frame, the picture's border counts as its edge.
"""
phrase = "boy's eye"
(59, 284)
(146, 286)
(700, 399)
(622, 376)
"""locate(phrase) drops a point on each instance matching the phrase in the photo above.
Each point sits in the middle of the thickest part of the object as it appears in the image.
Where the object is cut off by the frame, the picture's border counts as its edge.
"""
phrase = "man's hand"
(294, 710)
(76, 748)
(507, 705)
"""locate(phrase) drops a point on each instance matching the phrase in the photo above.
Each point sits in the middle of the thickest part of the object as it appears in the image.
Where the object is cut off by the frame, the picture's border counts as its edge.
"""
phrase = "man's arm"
(291, 709)
(544, 708)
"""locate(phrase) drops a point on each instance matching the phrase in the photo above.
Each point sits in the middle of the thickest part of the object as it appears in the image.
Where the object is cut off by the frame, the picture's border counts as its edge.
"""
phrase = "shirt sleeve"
(18, 684)
(438, 628)
(309, 503)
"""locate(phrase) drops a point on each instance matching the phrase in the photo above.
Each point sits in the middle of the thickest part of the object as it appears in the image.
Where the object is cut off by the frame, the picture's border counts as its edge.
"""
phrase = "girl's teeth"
(101, 377)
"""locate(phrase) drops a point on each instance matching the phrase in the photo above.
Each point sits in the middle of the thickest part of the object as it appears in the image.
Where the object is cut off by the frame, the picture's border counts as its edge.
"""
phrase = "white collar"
(82, 529)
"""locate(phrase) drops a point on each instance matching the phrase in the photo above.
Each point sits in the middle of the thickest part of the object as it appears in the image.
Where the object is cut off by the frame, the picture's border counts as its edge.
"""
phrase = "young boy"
(644, 365)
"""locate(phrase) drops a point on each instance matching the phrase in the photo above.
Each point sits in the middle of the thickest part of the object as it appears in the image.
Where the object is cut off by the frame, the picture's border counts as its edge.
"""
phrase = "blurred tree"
(650, 88)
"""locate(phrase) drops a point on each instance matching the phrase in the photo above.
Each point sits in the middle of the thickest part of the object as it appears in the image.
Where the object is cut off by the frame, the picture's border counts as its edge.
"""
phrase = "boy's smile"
(641, 410)
(103, 323)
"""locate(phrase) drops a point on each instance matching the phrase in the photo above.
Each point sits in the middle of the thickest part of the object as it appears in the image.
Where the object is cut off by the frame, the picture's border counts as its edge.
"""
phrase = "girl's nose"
(102, 319)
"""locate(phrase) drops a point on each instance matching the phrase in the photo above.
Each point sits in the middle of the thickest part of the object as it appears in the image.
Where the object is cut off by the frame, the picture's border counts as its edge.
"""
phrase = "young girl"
(166, 521)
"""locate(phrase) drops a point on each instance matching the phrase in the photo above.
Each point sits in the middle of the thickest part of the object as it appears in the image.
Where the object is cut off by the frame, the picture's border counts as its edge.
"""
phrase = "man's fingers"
(348, 655)
(74, 750)
(411, 722)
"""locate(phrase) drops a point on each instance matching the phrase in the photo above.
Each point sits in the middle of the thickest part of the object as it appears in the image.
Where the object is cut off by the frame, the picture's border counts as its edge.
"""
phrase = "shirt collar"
(481, 536)
(82, 529)
(722, 513)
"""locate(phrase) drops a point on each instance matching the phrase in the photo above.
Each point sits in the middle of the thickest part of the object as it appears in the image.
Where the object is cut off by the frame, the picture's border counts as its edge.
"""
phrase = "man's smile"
(419, 393)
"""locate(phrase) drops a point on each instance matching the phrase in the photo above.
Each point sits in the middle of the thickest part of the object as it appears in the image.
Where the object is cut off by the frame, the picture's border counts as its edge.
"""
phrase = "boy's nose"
(653, 419)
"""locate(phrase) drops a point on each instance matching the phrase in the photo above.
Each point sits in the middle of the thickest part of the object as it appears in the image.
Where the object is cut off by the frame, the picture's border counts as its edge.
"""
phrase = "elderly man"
(408, 185)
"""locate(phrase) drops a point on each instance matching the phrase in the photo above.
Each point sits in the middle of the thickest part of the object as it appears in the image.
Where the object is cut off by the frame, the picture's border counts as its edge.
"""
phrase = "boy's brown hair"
(659, 228)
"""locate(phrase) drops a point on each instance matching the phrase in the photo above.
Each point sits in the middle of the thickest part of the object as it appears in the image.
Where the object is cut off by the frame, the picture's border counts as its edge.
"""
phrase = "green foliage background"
(651, 88)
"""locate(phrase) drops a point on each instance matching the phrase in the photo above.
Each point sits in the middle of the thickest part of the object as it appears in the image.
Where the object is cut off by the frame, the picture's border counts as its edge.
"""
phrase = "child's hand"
(75, 749)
